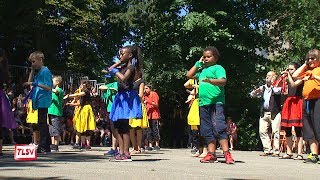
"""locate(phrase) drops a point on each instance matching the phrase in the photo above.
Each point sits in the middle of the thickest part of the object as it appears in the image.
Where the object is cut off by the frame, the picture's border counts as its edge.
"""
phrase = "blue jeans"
(213, 125)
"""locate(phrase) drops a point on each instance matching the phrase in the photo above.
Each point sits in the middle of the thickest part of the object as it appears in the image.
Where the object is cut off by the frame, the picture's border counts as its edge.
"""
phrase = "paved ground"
(164, 164)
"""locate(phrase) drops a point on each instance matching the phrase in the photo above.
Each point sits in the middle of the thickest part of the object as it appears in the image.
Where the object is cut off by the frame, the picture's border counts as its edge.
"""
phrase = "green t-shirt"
(109, 94)
(208, 93)
(56, 103)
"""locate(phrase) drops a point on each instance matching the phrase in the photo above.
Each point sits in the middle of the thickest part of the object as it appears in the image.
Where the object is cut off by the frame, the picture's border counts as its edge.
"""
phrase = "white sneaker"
(33, 144)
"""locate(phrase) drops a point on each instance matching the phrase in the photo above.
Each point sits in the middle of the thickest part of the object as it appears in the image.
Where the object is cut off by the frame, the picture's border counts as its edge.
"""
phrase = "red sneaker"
(209, 158)
(228, 157)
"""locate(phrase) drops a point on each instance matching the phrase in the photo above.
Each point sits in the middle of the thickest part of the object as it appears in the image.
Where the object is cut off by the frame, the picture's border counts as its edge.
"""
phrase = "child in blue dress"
(127, 103)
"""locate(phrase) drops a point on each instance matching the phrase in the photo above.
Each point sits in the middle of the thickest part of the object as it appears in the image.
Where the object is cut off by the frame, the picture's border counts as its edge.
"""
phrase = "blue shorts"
(213, 124)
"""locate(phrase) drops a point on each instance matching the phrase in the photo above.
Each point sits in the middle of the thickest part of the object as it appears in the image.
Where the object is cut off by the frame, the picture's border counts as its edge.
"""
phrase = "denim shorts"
(55, 128)
(213, 124)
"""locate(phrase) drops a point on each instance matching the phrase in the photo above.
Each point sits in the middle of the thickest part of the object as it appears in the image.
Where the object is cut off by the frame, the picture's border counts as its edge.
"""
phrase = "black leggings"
(298, 131)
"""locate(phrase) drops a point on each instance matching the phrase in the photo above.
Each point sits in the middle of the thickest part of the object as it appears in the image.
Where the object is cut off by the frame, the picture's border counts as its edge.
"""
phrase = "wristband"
(34, 84)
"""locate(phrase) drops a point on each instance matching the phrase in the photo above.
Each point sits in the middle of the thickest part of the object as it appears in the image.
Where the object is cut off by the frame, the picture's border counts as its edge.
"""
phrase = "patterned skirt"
(126, 105)
(292, 112)
(6, 115)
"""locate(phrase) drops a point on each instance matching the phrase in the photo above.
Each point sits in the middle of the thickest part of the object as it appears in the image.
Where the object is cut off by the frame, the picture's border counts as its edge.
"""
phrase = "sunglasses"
(312, 58)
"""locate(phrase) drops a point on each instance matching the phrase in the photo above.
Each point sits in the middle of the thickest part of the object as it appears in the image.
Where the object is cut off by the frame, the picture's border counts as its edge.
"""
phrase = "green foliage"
(296, 23)
(85, 35)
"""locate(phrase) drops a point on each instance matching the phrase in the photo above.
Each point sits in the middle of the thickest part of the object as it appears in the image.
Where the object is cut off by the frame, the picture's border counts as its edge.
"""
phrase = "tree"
(173, 34)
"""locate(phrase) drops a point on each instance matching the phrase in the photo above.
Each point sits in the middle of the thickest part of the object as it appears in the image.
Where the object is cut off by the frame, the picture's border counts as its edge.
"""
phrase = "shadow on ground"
(8, 162)
(24, 178)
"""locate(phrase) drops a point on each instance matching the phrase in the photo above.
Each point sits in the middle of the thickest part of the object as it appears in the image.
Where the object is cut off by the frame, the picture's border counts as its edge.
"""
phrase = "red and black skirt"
(292, 112)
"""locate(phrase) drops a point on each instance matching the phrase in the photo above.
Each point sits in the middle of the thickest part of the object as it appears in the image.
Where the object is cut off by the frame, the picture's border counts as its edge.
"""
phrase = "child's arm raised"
(76, 95)
(192, 72)
(300, 70)
(126, 75)
(292, 82)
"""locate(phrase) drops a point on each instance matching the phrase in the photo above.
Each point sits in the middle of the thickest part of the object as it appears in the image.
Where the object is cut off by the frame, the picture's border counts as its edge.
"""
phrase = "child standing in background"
(137, 125)
(84, 122)
(151, 99)
(55, 113)
(108, 96)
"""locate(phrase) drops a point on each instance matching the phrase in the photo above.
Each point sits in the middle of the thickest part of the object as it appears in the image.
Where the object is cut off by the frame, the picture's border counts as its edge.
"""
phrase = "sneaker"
(194, 150)
(149, 148)
(43, 151)
(33, 144)
(209, 158)
(54, 148)
(312, 158)
(112, 152)
(76, 146)
(157, 148)
(229, 158)
(123, 158)
(86, 147)
(142, 150)
(196, 154)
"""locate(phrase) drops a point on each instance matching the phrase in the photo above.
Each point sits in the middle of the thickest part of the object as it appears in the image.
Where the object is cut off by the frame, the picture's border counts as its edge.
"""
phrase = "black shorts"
(311, 120)
(122, 125)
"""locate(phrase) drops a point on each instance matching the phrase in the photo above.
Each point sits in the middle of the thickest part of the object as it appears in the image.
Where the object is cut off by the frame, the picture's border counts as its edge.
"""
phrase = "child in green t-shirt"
(212, 79)
(55, 113)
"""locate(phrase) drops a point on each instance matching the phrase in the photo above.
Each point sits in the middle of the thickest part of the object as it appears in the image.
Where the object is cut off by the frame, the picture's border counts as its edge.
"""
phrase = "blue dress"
(127, 103)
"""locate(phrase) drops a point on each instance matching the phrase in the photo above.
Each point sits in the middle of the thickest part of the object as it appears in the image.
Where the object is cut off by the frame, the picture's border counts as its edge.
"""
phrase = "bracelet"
(34, 84)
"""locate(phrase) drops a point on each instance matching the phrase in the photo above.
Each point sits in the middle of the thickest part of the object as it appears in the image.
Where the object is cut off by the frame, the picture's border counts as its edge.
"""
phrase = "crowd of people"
(298, 114)
(128, 110)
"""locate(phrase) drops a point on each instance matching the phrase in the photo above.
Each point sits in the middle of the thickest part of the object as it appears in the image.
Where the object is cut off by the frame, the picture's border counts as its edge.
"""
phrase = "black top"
(274, 104)
(295, 91)
(128, 85)
(86, 99)
(136, 85)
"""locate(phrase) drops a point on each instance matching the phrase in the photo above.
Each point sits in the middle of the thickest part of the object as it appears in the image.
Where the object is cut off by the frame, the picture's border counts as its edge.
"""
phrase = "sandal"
(298, 157)
(286, 156)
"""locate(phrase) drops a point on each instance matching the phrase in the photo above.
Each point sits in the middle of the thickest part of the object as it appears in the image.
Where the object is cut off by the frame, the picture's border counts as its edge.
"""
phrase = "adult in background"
(269, 114)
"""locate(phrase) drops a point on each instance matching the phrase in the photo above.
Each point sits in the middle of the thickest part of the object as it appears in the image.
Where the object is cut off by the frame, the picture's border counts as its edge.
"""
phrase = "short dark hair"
(214, 50)
(295, 65)
(148, 85)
